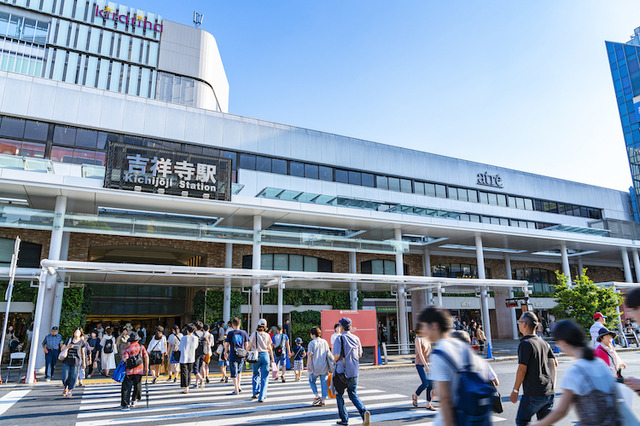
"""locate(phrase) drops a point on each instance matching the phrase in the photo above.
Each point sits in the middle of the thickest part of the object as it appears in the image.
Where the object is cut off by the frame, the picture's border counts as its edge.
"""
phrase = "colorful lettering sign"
(134, 21)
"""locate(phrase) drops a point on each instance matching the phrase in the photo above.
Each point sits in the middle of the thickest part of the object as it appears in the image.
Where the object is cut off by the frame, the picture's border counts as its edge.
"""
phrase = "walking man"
(51, 345)
(347, 352)
(599, 321)
(236, 345)
(135, 368)
(281, 349)
(536, 373)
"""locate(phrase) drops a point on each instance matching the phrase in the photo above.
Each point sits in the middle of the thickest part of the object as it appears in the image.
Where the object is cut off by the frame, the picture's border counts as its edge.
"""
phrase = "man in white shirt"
(595, 328)
(337, 332)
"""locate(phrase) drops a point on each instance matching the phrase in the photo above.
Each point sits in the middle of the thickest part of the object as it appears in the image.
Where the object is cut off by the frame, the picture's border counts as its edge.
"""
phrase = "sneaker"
(133, 404)
(234, 393)
(254, 396)
(206, 379)
(125, 408)
(261, 400)
(366, 419)
(80, 384)
(47, 380)
(174, 379)
(282, 377)
(340, 422)
(226, 380)
(317, 402)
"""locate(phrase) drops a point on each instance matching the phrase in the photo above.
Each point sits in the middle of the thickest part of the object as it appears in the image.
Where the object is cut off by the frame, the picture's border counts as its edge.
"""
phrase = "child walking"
(298, 354)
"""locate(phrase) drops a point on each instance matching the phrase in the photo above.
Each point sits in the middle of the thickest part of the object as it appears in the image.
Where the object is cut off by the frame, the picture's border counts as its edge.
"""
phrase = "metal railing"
(396, 349)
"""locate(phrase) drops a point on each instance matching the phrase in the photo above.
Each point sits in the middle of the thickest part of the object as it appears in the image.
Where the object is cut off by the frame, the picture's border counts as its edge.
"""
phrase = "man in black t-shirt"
(536, 373)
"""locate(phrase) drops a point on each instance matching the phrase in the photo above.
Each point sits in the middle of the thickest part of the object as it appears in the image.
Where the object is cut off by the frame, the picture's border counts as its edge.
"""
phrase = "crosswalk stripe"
(202, 396)
(308, 412)
(7, 401)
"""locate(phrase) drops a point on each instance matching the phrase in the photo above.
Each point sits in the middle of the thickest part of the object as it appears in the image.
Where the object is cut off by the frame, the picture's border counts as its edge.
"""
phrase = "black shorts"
(197, 366)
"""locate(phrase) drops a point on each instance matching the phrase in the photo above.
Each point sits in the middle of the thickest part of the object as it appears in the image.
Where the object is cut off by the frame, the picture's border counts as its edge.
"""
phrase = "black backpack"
(108, 346)
(202, 344)
(277, 351)
(134, 361)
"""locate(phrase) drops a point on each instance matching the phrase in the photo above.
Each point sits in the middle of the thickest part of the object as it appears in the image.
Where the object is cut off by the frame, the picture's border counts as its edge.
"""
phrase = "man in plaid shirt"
(133, 376)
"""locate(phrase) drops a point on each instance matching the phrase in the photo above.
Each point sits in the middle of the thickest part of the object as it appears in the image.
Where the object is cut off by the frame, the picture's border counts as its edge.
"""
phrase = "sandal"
(414, 397)
(432, 408)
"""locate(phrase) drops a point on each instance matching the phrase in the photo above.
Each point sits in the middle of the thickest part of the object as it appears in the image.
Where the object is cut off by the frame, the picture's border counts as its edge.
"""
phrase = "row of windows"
(70, 136)
(352, 177)
(542, 280)
(180, 90)
(25, 29)
(457, 270)
(289, 262)
(381, 267)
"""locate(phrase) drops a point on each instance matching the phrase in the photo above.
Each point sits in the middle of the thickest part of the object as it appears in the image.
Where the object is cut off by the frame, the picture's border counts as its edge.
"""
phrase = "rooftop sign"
(135, 20)
(141, 169)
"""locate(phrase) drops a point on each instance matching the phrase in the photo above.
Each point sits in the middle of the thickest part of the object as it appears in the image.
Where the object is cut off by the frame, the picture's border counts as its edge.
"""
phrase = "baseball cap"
(262, 322)
(299, 340)
(345, 322)
(54, 328)
(598, 315)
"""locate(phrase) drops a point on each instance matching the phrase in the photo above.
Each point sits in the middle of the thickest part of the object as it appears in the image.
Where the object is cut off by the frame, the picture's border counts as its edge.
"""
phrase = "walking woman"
(75, 349)
(423, 350)
(173, 342)
(260, 341)
(587, 384)
(94, 346)
(607, 352)
(187, 347)
(122, 342)
(109, 350)
(157, 349)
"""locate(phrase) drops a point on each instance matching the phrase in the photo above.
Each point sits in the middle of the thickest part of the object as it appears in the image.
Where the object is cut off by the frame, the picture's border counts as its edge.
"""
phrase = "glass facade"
(457, 270)
(289, 262)
(625, 71)
(22, 44)
(540, 280)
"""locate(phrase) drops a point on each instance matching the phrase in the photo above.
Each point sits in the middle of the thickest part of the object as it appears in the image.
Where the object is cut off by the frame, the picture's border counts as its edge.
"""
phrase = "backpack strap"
(447, 359)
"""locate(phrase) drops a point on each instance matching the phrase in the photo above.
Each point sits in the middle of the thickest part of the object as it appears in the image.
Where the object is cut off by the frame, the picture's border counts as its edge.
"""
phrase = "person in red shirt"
(133, 376)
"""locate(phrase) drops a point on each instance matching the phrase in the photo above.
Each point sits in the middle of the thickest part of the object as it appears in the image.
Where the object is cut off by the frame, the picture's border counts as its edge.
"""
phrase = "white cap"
(262, 322)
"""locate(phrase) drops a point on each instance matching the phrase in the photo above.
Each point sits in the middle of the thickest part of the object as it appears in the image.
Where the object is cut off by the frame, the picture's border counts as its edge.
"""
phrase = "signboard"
(363, 324)
(485, 179)
(129, 18)
(136, 168)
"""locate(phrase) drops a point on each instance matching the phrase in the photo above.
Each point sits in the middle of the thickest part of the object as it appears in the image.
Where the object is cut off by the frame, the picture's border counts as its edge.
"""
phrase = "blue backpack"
(119, 372)
(474, 395)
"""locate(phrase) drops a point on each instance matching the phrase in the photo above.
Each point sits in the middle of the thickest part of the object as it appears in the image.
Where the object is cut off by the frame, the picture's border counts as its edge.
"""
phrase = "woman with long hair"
(75, 359)
(173, 342)
(587, 385)
(261, 342)
(423, 350)
(157, 349)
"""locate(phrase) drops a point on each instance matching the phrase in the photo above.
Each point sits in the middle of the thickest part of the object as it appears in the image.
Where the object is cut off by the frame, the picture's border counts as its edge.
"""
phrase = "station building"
(117, 148)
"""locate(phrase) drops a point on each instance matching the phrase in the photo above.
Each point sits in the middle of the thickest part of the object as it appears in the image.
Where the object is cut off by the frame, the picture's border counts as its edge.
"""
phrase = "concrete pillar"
(484, 297)
(426, 269)
(420, 299)
(439, 295)
(59, 289)
(353, 286)
(37, 337)
(514, 320)
(49, 295)
(627, 267)
(565, 262)
(636, 264)
(256, 264)
(226, 300)
(280, 296)
(580, 266)
(403, 326)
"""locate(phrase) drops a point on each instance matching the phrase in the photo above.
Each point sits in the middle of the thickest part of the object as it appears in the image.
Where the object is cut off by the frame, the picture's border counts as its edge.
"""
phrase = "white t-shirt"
(442, 371)
(334, 336)
(583, 376)
(157, 345)
(594, 333)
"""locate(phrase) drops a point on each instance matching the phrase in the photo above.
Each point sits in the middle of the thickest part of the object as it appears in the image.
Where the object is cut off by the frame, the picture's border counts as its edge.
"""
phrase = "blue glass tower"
(624, 59)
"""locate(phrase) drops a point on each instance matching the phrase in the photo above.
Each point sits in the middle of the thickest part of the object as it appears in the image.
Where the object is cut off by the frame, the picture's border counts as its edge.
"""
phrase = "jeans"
(323, 384)
(351, 391)
(131, 382)
(261, 375)
(426, 383)
(530, 405)
(69, 375)
(235, 367)
(51, 357)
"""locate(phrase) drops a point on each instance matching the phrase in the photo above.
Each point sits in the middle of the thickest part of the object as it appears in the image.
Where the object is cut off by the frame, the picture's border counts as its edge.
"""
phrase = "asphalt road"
(387, 392)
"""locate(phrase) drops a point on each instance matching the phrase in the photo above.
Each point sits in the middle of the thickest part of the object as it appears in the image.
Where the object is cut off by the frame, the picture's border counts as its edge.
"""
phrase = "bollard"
(489, 355)
(556, 349)
(379, 357)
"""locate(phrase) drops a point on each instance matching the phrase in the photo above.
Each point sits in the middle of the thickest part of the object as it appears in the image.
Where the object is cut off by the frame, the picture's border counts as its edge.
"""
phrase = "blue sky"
(515, 83)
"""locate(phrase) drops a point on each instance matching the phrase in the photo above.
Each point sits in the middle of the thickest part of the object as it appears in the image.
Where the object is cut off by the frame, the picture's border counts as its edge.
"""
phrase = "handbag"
(252, 355)
(340, 381)
(207, 358)
(119, 372)
(497, 400)
(330, 386)
(155, 357)
(175, 357)
(63, 354)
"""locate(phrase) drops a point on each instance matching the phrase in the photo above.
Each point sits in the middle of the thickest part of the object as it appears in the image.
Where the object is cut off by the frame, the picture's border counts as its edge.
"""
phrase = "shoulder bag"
(340, 381)
(63, 354)
(155, 357)
(252, 355)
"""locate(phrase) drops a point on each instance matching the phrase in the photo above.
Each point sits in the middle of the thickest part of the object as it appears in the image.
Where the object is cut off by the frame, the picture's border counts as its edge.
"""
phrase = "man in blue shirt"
(349, 364)
(281, 350)
(236, 339)
(51, 345)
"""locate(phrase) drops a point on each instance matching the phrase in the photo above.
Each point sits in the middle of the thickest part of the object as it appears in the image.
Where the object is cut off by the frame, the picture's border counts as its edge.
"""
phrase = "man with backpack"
(236, 345)
(461, 378)
(281, 349)
(202, 350)
(136, 360)
(536, 372)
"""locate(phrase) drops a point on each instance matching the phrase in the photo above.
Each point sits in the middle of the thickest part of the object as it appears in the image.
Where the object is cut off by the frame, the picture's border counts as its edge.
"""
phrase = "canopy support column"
(514, 322)
(353, 286)
(403, 326)
(484, 297)
(580, 266)
(636, 264)
(256, 263)
(625, 264)
(565, 263)
(37, 323)
(280, 296)
(226, 302)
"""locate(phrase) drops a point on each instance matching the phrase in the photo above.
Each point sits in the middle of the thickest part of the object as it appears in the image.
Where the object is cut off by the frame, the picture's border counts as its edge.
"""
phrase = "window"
(326, 173)
(541, 280)
(394, 184)
(62, 155)
(289, 262)
(473, 195)
(441, 191)
(381, 267)
(429, 190)
(12, 127)
(263, 164)
(419, 187)
(311, 171)
(86, 138)
(279, 166)
(296, 168)
(247, 161)
(457, 270)
(342, 176)
(382, 182)
(355, 178)
(36, 131)
(368, 180)
(405, 186)
(64, 135)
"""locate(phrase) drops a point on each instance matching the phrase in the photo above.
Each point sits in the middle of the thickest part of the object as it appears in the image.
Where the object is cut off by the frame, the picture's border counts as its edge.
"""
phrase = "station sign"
(142, 169)
(485, 179)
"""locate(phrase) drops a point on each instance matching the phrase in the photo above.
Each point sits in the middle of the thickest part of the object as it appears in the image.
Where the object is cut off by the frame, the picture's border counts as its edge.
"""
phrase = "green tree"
(580, 301)
(76, 304)
(213, 310)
